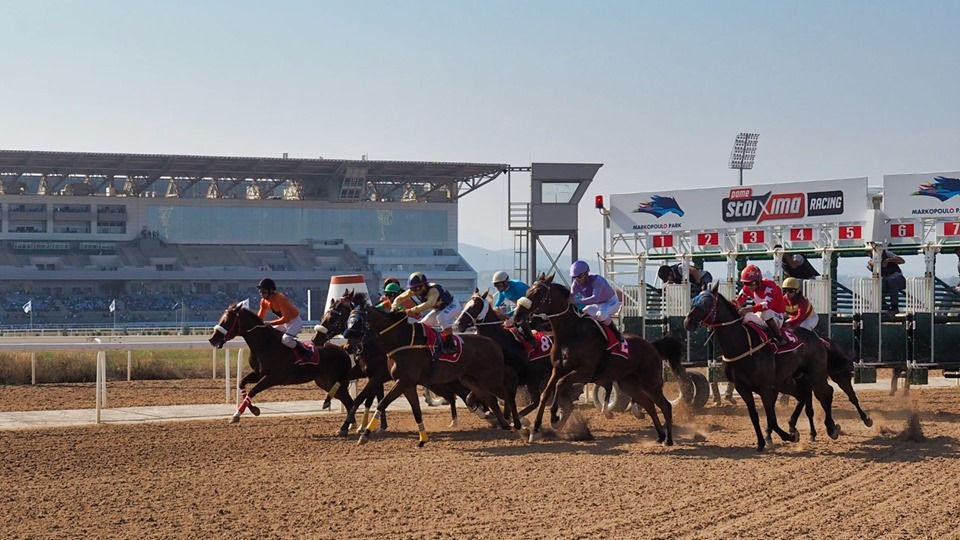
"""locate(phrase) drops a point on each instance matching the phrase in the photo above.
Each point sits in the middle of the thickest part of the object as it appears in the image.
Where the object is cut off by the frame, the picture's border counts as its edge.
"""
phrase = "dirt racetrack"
(293, 478)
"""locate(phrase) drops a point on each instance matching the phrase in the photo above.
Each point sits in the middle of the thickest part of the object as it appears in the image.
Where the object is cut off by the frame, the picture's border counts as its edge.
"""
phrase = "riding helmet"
(751, 273)
(500, 277)
(791, 283)
(416, 279)
(392, 288)
(578, 268)
(267, 284)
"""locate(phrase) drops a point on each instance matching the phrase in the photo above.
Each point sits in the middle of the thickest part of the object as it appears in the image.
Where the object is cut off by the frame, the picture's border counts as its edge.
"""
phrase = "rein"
(750, 351)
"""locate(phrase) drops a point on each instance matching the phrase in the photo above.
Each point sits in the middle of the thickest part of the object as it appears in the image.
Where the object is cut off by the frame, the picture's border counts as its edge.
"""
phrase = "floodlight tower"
(744, 150)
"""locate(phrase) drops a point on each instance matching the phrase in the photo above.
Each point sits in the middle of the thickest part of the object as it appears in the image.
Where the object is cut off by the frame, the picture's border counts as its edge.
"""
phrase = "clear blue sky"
(654, 90)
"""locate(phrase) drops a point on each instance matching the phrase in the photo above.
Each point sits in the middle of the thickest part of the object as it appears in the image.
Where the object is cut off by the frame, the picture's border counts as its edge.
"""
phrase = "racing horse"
(372, 362)
(580, 355)
(754, 368)
(840, 368)
(273, 364)
(532, 373)
(479, 366)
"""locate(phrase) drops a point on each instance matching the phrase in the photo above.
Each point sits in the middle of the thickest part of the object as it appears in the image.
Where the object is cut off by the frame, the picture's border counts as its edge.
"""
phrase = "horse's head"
(365, 320)
(709, 308)
(235, 321)
(334, 320)
(478, 309)
(544, 297)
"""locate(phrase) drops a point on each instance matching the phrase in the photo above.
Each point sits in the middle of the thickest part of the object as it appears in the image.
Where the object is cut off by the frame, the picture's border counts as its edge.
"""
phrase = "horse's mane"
(360, 299)
(560, 286)
(726, 302)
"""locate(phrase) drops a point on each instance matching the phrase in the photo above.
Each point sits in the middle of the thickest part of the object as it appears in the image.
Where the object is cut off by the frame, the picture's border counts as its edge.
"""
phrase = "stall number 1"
(902, 230)
(850, 232)
(663, 241)
(753, 237)
(801, 235)
(708, 239)
(951, 228)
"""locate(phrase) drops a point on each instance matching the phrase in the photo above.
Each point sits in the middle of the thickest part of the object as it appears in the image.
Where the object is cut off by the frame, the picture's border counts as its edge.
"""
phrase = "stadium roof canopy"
(82, 173)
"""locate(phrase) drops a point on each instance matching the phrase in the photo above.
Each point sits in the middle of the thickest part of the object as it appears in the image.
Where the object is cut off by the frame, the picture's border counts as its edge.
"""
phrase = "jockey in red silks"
(768, 303)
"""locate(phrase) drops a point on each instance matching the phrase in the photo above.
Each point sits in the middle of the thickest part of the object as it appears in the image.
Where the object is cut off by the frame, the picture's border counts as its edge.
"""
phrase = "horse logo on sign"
(660, 206)
(942, 188)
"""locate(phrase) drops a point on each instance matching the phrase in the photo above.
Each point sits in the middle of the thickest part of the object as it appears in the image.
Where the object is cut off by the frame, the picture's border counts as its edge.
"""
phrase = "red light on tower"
(598, 202)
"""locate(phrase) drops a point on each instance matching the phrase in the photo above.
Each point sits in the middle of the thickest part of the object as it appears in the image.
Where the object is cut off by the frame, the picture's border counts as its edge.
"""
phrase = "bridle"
(336, 329)
(230, 333)
(711, 316)
(477, 320)
(539, 308)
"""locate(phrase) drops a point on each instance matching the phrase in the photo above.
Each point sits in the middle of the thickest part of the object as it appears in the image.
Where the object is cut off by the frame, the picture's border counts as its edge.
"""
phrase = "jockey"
(289, 321)
(594, 296)
(507, 289)
(798, 308)
(444, 308)
(390, 292)
(768, 302)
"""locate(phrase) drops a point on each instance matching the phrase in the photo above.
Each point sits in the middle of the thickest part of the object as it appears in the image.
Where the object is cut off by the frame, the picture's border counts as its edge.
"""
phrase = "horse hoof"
(365, 438)
(608, 414)
(381, 429)
(637, 411)
(343, 432)
(326, 406)
(868, 421)
(669, 442)
(235, 419)
(255, 410)
(421, 443)
(795, 437)
(813, 438)
(453, 423)
(835, 432)
(533, 437)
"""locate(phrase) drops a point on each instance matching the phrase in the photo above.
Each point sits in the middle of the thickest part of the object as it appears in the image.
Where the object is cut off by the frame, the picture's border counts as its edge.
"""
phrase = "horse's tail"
(838, 361)
(671, 350)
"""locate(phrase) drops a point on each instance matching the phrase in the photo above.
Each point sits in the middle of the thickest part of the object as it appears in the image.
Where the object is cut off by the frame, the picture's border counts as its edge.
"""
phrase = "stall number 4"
(901, 230)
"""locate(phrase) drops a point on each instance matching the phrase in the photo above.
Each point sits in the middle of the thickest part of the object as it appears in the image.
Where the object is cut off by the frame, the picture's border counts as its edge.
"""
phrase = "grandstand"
(80, 230)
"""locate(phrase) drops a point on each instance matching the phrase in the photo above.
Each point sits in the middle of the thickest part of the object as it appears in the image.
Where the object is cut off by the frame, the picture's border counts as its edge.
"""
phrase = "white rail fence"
(99, 347)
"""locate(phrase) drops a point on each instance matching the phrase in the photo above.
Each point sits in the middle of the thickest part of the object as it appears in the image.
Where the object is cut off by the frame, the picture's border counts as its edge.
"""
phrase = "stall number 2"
(902, 230)
(708, 239)
(753, 237)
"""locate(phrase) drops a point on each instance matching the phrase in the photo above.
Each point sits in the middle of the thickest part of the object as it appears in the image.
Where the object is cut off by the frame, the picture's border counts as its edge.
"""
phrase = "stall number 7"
(951, 228)
(850, 232)
(753, 237)
(902, 230)
(801, 235)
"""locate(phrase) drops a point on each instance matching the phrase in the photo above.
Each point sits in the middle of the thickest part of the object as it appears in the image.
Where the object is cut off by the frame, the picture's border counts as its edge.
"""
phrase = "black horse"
(479, 367)
(272, 363)
(840, 369)
(580, 355)
(532, 373)
(754, 369)
(372, 362)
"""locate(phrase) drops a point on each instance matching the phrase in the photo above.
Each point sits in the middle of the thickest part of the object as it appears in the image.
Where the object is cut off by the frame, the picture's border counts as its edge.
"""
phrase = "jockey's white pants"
(810, 323)
(443, 319)
(602, 312)
(290, 332)
(761, 317)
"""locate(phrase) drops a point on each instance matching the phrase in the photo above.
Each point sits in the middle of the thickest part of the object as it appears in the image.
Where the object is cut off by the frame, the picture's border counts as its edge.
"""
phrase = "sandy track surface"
(293, 478)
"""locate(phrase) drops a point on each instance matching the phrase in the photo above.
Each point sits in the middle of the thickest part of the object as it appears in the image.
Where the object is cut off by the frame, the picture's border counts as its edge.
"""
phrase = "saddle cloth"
(793, 342)
(534, 352)
(301, 358)
(615, 346)
(433, 342)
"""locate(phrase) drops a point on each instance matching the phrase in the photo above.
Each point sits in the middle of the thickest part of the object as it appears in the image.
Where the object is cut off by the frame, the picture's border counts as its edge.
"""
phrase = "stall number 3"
(753, 237)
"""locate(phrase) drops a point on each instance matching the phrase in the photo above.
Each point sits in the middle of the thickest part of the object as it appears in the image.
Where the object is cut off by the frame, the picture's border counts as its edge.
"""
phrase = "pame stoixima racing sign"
(922, 196)
(795, 203)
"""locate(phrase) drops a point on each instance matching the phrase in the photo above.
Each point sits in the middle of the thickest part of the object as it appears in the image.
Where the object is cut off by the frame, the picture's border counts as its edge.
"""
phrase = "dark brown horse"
(479, 367)
(372, 362)
(580, 355)
(479, 312)
(840, 369)
(273, 364)
(754, 369)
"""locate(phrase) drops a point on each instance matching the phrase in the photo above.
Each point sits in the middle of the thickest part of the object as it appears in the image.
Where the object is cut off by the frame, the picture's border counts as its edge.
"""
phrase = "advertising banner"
(922, 196)
(794, 203)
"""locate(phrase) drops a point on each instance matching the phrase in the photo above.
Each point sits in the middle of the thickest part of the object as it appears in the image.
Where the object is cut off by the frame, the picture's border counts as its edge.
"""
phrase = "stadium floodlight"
(744, 150)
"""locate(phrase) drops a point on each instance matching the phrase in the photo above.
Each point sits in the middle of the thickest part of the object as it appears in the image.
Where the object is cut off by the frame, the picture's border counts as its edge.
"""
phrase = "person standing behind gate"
(798, 309)
(699, 279)
(796, 265)
(892, 279)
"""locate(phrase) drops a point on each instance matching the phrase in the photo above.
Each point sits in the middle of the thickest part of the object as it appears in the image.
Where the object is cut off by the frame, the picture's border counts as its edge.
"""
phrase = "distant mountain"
(487, 260)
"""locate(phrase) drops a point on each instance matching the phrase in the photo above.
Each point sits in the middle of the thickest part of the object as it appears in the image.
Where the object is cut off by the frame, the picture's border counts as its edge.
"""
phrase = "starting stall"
(824, 221)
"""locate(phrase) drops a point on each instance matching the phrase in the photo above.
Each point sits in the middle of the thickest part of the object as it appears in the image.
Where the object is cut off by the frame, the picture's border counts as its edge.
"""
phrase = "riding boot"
(527, 334)
(616, 331)
(775, 333)
(447, 346)
(302, 350)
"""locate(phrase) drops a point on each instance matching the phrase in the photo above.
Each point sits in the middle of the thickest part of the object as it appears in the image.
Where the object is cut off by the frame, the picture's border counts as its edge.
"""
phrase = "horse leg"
(804, 395)
(747, 395)
(245, 402)
(544, 397)
(395, 392)
(845, 383)
(824, 393)
(534, 391)
(341, 391)
(487, 397)
(648, 398)
(768, 397)
(365, 395)
(605, 408)
(414, 399)
(563, 400)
